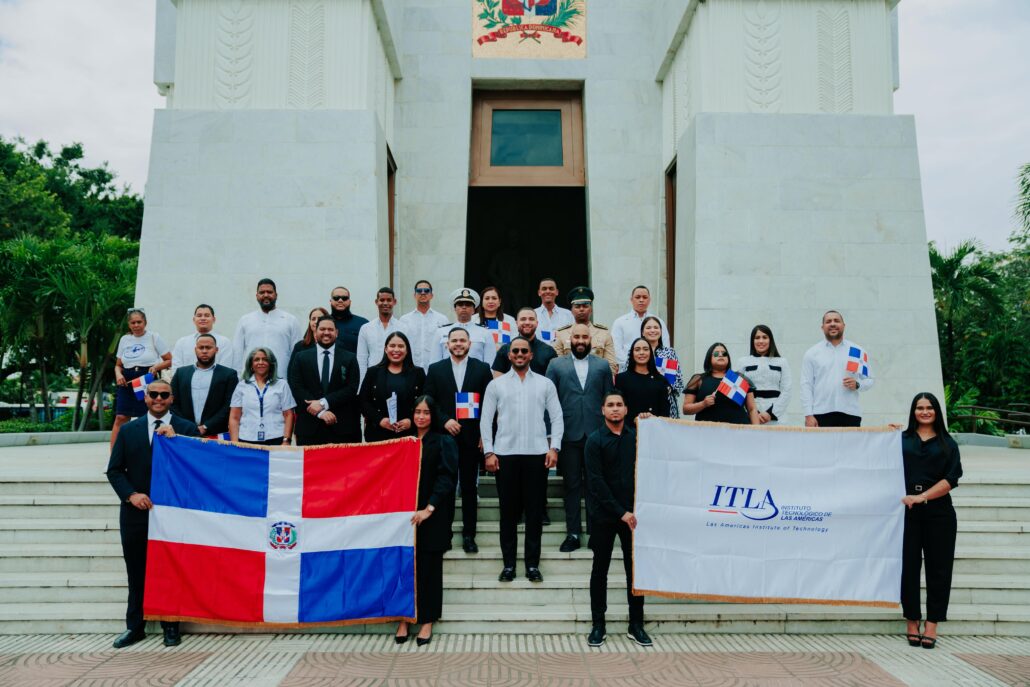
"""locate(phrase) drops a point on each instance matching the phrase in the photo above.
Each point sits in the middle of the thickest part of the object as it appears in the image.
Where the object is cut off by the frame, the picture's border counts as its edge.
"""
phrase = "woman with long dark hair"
(492, 317)
(932, 470)
(645, 389)
(395, 375)
(309, 334)
(703, 400)
(435, 514)
(665, 359)
(769, 374)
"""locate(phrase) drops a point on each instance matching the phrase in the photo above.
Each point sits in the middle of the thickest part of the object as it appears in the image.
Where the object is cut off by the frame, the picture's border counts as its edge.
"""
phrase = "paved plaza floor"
(324, 660)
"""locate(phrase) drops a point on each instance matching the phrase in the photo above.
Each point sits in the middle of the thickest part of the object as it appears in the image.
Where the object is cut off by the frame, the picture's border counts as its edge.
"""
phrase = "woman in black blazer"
(645, 389)
(434, 516)
(397, 374)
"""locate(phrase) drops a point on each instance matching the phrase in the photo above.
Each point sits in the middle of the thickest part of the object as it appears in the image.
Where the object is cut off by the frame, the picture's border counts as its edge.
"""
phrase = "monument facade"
(740, 157)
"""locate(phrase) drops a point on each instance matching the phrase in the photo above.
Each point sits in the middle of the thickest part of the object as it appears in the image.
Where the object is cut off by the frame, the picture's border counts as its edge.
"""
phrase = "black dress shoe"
(422, 641)
(637, 634)
(547, 518)
(172, 636)
(507, 575)
(570, 544)
(128, 638)
(597, 636)
(534, 575)
(468, 544)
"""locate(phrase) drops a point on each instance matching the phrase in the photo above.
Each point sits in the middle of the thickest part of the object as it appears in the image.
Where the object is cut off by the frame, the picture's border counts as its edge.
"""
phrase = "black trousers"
(838, 420)
(571, 466)
(521, 487)
(429, 588)
(930, 531)
(134, 524)
(602, 541)
(469, 460)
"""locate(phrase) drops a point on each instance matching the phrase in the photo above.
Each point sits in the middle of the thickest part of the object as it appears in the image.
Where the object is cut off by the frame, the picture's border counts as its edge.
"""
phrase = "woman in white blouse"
(261, 411)
(769, 373)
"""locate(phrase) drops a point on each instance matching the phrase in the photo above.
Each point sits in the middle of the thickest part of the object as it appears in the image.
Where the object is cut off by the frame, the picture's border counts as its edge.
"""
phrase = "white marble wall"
(235, 196)
(783, 217)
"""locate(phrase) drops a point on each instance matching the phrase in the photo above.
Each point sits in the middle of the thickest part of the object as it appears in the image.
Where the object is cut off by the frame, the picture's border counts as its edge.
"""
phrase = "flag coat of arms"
(734, 387)
(667, 367)
(282, 537)
(858, 361)
(466, 406)
(139, 385)
(500, 330)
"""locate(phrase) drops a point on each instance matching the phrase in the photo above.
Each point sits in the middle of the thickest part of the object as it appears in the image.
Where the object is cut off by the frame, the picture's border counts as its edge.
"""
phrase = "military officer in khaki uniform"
(581, 299)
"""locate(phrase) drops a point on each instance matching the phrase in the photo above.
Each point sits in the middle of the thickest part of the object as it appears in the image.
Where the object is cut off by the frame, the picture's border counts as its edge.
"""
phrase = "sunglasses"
(720, 354)
(341, 298)
(520, 351)
(159, 394)
(423, 290)
(129, 311)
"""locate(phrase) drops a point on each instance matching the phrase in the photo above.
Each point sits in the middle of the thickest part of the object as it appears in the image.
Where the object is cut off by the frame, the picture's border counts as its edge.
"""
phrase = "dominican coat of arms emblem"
(538, 29)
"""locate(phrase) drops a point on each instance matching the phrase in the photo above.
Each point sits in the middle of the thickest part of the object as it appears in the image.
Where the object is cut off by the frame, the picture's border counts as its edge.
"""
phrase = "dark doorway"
(516, 236)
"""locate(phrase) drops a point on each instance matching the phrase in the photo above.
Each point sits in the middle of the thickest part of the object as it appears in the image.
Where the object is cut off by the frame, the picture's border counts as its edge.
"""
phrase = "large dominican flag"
(282, 537)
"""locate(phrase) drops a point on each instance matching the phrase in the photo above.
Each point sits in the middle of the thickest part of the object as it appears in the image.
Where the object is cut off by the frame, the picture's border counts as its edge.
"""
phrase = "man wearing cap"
(481, 344)
(582, 300)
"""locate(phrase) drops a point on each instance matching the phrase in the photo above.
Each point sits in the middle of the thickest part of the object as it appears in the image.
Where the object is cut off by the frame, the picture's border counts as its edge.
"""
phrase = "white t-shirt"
(141, 351)
(277, 399)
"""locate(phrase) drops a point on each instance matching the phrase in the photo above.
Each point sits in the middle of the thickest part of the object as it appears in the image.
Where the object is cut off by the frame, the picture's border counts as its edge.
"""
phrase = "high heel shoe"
(400, 639)
(422, 641)
(929, 642)
(914, 640)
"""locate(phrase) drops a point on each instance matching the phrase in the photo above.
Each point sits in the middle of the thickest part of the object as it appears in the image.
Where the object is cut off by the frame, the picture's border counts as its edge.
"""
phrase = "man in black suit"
(324, 382)
(582, 381)
(203, 391)
(445, 379)
(128, 471)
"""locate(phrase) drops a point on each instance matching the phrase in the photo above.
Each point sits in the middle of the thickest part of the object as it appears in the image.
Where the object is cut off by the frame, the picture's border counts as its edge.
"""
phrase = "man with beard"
(459, 384)
(268, 327)
(203, 390)
(582, 381)
(833, 372)
(602, 345)
(543, 353)
(521, 453)
(324, 382)
(347, 323)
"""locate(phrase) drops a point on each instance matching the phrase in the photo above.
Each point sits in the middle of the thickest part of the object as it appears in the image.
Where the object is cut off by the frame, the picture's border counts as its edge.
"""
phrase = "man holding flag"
(543, 352)
(833, 372)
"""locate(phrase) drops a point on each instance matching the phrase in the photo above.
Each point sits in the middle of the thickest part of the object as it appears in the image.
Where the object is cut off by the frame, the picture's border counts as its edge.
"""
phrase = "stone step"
(994, 508)
(992, 487)
(52, 506)
(575, 618)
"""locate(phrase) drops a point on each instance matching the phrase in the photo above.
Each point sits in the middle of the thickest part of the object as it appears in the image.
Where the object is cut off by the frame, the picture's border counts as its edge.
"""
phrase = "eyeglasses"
(720, 354)
(423, 290)
(341, 298)
(159, 394)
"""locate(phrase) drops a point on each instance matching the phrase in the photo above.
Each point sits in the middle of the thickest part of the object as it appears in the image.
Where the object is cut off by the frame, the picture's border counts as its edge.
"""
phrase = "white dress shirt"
(371, 339)
(519, 405)
(421, 331)
(582, 366)
(481, 344)
(152, 419)
(626, 329)
(552, 321)
(278, 400)
(276, 330)
(184, 352)
(319, 357)
(823, 370)
(458, 369)
(200, 387)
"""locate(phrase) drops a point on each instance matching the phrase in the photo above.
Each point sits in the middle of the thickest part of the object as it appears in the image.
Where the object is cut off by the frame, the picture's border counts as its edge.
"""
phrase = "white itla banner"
(769, 515)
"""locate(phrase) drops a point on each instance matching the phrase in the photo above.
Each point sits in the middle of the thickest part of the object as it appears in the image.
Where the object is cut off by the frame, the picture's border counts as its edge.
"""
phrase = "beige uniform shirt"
(601, 343)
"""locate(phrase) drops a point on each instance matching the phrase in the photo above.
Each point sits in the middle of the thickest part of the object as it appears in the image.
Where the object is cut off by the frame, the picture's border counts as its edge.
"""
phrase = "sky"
(72, 70)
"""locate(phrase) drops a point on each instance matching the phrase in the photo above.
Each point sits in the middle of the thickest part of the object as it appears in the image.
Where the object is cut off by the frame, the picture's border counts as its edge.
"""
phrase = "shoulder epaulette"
(599, 326)
(568, 326)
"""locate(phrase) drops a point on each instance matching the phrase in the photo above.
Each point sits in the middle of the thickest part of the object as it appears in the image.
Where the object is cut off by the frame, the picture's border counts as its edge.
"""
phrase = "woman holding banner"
(769, 374)
(396, 376)
(645, 389)
(932, 470)
(714, 396)
(436, 484)
(665, 359)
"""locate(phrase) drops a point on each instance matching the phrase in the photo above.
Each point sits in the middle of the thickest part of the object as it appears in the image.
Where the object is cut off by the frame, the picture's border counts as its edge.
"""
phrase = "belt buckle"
(919, 488)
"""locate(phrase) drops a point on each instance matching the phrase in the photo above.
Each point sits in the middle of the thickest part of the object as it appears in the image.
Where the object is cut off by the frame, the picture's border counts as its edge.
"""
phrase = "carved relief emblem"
(537, 29)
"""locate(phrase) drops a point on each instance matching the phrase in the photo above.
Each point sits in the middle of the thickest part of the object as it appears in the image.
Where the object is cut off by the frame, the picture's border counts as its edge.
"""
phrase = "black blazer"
(375, 391)
(215, 414)
(440, 386)
(305, 382)
(128, 470)
(436, 484)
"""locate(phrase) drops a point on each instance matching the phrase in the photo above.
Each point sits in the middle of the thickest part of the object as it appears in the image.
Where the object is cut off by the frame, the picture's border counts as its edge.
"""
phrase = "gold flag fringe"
(764, 599)
(278, 626)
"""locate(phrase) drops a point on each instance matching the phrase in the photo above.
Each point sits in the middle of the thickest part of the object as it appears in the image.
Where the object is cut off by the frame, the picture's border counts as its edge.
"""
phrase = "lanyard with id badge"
(261, 408)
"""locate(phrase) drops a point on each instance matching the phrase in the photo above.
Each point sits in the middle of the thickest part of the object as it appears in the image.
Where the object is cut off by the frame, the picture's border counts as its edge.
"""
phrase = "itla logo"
(745, 501)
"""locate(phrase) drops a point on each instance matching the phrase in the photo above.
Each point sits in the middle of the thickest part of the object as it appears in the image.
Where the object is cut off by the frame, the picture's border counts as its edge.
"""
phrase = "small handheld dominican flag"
(734, 387)
(546, 335)
(500, 330)
(466, 406)
(858, 361)
(667, 367)
(139, 385)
